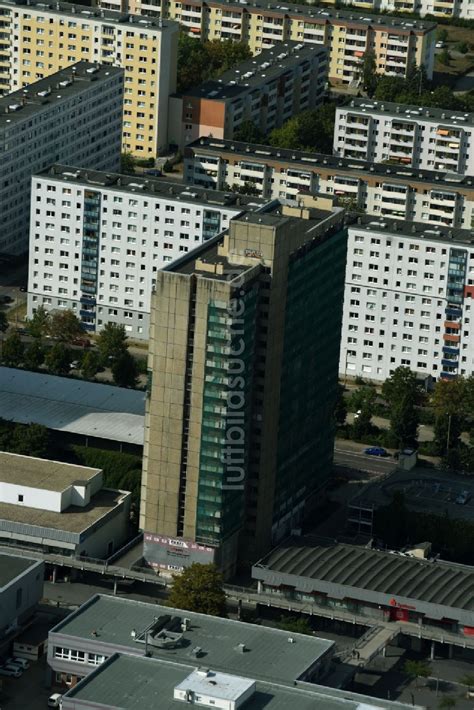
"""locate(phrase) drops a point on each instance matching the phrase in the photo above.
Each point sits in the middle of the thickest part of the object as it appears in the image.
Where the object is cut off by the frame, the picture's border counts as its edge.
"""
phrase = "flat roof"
(331, 14)
(220, 685)
(42, 473)
(86, 12)
(267, 654)
(151, 186)
(136, 683)
(72, 405)
(255, 153)
(75, 519)
(261, 69)
(310, 558)
(413, 230)
(12, 567)
(411, 113)
(21, 105)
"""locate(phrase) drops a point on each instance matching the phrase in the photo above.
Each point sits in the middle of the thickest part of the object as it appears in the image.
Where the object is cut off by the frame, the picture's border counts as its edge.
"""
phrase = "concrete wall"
(31, 497)
(114, 530)
(19, 598)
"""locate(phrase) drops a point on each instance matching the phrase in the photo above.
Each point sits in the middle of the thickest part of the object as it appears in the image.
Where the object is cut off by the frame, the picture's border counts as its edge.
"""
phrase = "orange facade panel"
(451, 338)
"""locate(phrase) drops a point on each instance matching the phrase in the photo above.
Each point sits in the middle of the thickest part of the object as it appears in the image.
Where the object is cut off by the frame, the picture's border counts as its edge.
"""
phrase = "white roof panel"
(72, 405)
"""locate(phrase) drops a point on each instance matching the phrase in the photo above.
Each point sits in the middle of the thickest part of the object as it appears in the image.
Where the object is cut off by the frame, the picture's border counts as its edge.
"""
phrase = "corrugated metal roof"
(72, 405)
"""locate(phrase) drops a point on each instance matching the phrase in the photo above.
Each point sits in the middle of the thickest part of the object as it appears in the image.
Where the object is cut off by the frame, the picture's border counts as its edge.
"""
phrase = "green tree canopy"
(311, 130)
(127, 163)
(38, 325)
(295, 624)
(65, 326)
(199, 588)
(125, 370)
(13, 351)
(58, 359)
(90, 364)
(248, 132)
(112, 341)
(369, 72)
(340, 407)
(417, 669)
(199, 61)
(34, 356)
(402, 394)
(3, 322)
(30, 440)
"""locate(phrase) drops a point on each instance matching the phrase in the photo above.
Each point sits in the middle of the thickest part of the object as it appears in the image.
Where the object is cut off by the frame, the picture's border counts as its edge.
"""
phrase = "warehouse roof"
(12, 567)
(72, 405)
(310, 558)
(42, 473)
(222, 644)
(132, 683)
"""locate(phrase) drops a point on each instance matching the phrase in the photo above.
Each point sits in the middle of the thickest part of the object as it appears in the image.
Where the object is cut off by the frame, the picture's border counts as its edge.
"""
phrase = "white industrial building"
(75, 116)
(408, 300)
(397, 191)
(60, 507)
(100, 258)
(426, 138)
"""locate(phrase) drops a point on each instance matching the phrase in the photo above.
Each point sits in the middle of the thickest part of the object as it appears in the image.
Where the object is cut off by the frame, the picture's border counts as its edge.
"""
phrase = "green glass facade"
(309, 374)
(228, 371)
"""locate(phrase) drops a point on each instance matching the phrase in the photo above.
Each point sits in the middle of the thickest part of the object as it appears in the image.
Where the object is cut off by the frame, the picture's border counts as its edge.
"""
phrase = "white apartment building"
(74, 115)
(445, 199)
(426, 138)
(408, 300)
(38, 38)
(437, 8)
(98, 239)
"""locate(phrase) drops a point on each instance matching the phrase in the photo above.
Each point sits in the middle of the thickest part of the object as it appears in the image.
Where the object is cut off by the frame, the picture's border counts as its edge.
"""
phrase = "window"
(20, 498)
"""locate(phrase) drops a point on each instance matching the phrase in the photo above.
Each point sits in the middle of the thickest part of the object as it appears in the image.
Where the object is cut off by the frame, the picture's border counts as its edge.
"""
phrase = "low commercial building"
(21, 588)
(107, 625)
(76, 411)
(424, 597)
(58, 507)
(266, 90)
(43, 123)
(429, 196)
(123, 230)
(126, 682)
(408, 300)
(425, 138)
(398, 42)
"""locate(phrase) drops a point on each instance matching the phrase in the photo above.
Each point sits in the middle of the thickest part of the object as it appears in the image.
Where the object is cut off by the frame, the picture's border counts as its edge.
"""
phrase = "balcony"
(88, 301)
(453, 312)
(450, 350)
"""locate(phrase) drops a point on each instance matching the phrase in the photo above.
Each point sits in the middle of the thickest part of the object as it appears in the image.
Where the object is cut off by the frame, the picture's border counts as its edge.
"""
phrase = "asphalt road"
(362, 462)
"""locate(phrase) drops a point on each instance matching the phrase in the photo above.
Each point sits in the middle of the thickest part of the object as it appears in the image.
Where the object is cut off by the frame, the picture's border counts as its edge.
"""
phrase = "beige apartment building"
(243, 375)
(38, 39)
(398, 42)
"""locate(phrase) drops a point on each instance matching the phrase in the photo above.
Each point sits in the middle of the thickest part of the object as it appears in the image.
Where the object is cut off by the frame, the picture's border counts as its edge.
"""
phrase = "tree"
(444, 57)
(13, 351)
(112, 341)
(248, 188)
(401, 392)
(447, 702)
(340, 407)
(295, 624)
(248, 132)
(441, 35)
(369, 72)
(30, 440)
(364, 400)
(417, 669)
(65, 326)
(448, 403)
(310, 130)
(125, 370)
(127, 163)
(90, 364)
(467, 679)
(34, 356)
(199, 61)
(58, 359)
(3, 322)
(38, 325)
(199, 588)
(462, 47)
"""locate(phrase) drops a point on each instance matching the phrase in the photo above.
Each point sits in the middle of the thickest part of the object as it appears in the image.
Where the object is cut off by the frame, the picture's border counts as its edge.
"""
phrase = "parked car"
(54, 700)
(22, 663)
(11, 672)
(75, 365)
(376, 451)
(154, 172)
(463, 498)
(23, 288)
(440, 45)
(82, 342)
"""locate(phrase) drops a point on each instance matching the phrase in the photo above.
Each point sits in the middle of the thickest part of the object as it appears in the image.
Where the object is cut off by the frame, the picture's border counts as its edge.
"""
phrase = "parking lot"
(436, 490)
(29, 691)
